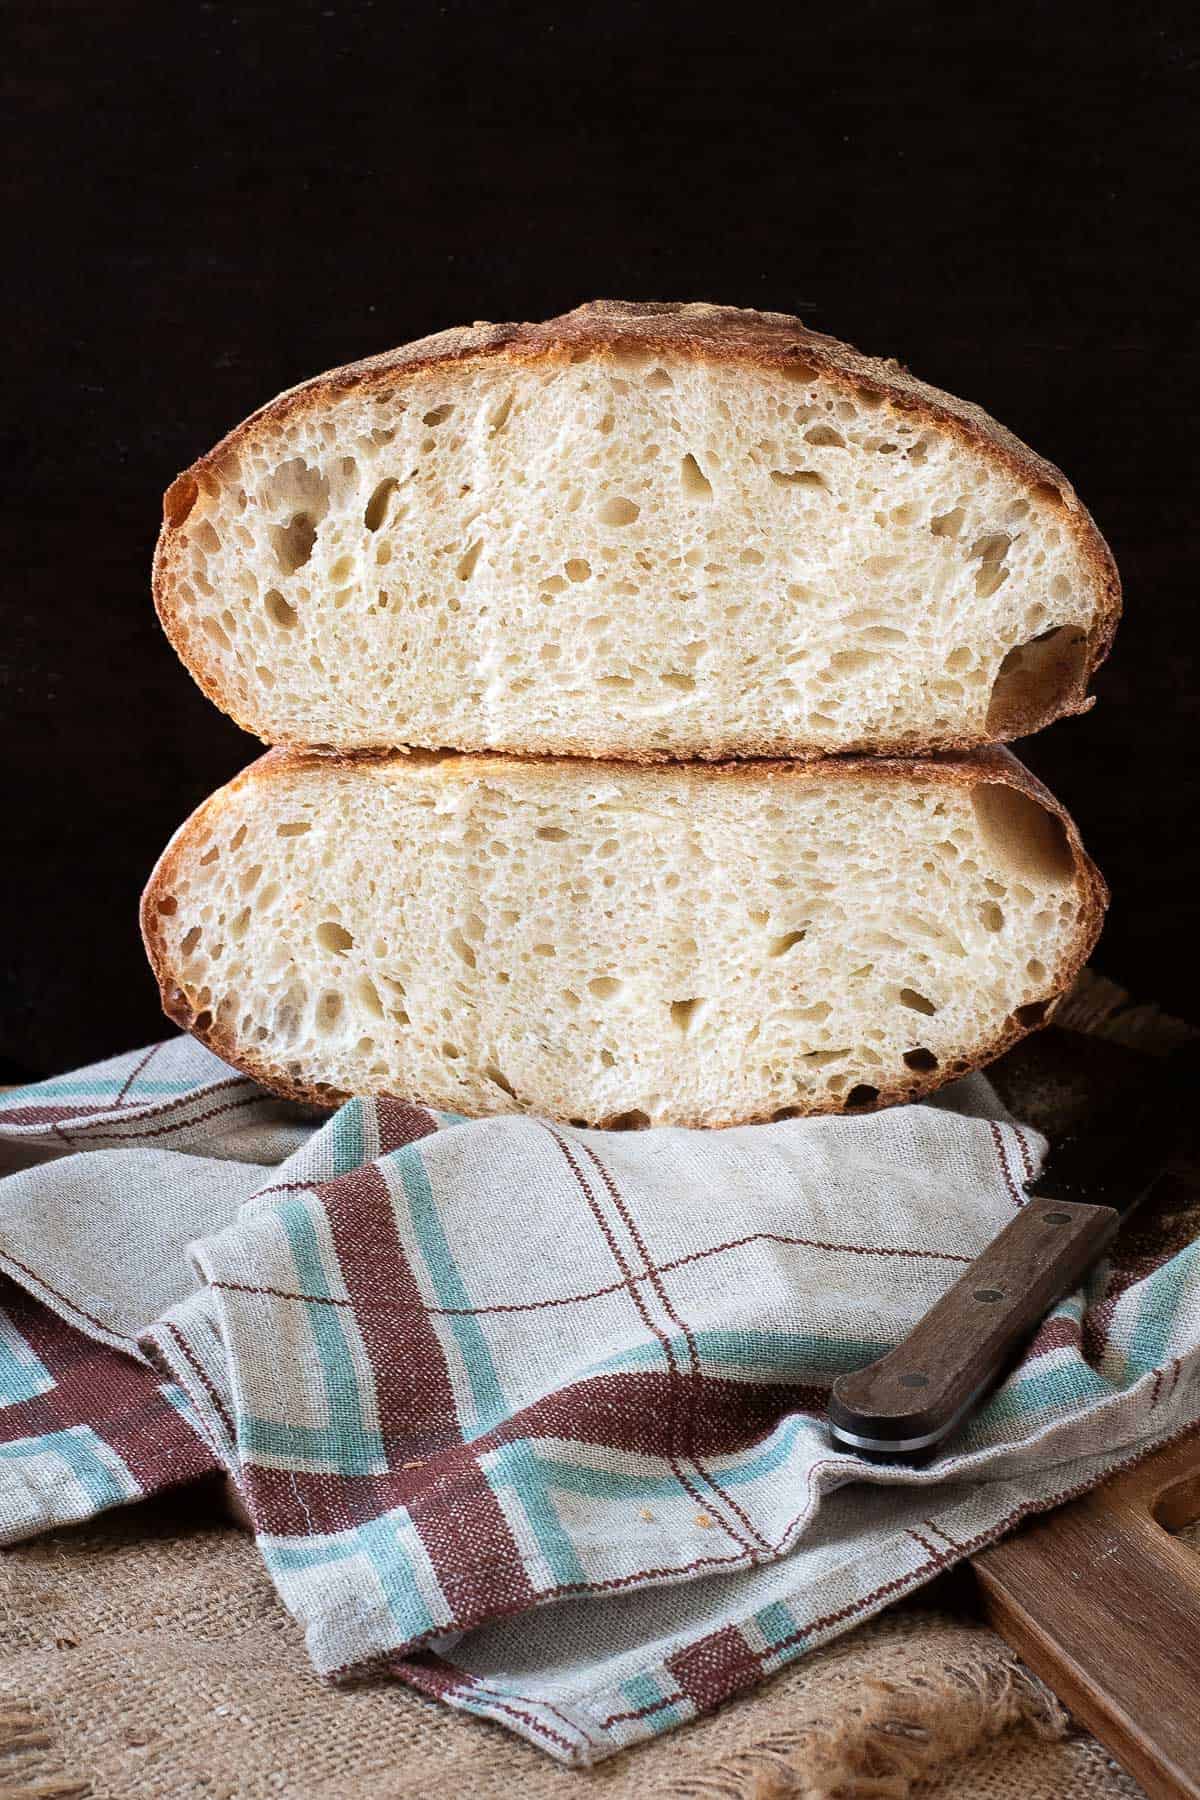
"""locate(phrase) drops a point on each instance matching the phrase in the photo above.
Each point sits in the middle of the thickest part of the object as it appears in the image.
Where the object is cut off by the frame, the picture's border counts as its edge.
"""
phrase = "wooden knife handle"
(912, 1398)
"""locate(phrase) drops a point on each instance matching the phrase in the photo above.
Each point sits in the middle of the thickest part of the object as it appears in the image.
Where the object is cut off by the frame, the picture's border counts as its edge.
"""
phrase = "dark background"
(209, 203)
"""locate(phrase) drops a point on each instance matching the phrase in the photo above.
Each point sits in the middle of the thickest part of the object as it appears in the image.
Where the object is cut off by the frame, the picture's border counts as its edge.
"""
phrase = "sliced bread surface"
(640, 531)
(696, 945)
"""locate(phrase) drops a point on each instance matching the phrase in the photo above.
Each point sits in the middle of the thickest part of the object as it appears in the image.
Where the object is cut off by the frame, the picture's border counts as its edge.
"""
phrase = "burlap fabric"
(146, 1655)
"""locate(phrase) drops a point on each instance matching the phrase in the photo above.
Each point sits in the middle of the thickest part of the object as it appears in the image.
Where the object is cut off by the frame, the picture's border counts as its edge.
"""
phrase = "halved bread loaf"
(636, 531)
(695, 945)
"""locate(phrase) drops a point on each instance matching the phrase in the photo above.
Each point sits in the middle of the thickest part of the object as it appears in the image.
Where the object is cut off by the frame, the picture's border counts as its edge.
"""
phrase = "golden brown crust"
(979, 767)
(706, 332)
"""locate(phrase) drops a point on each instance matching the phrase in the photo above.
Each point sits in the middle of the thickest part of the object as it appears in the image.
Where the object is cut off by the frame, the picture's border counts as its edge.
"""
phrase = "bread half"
(695, 945)
(636, 531)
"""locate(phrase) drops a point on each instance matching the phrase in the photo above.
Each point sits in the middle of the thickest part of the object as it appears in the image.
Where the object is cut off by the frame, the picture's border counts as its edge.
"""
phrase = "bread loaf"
(697, 945)
(637, 531)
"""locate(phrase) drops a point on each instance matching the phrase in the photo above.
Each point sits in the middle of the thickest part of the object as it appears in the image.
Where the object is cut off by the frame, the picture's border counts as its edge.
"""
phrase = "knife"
(906, 1405)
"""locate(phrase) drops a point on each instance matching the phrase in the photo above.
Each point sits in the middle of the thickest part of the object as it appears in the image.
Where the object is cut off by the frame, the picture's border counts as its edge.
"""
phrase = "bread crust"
(988, 765)
(703, 332)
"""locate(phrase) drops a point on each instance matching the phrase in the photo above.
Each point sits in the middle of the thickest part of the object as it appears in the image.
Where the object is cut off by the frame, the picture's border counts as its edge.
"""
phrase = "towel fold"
(532, 1417)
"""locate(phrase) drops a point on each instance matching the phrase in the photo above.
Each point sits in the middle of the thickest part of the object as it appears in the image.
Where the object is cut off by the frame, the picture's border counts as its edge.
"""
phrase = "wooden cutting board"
(1102, 1600)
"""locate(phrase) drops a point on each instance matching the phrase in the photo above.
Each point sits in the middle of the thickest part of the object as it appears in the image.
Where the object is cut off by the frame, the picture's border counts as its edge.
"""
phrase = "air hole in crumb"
(294, 541)
(1031, 1014)
(629, 1121)
(618, 511)
(577, 569)
(851, 662)
(369, 996)
(916, 1002)
(1021, 834)
(781, 945)
(498, 417)
(376, 507)
(278, 610)
(948, 524)
(167, 905)
(293, 828)
(461, 948)
(684, 1014)
(607, 1059)
(694, 480)
(329, 1010)
(684, 684)
(825, 437)
(1035, 968)
(798, 478)
(438, 415)
(190, 941)
(786, 1112)
(605, 987)
(1034, 676)
(202, 1021)
(862, 1094)
(500, 1080)
(990, 552)
(992, 916)
(468, 559)
(920, 1059)
(553, 834)
(332, 936)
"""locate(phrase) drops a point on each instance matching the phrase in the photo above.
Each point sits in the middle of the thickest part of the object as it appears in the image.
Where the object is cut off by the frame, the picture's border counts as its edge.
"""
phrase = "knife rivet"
(914, 1381)
(988, 1294)
(1056, 1218)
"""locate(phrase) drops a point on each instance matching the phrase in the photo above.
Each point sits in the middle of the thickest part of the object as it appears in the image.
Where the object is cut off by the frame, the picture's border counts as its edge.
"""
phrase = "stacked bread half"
(636, 679)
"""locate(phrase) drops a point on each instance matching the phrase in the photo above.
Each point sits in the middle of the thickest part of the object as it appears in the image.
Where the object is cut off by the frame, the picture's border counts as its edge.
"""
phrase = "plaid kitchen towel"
(531, 1417)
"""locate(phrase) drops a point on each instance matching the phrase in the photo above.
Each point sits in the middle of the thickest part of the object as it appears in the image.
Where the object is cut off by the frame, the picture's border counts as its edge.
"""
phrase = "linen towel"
(531, 1417)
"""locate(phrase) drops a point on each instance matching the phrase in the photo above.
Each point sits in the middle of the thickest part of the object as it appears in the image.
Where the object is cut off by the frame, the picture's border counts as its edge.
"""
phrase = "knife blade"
(905, 1405)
